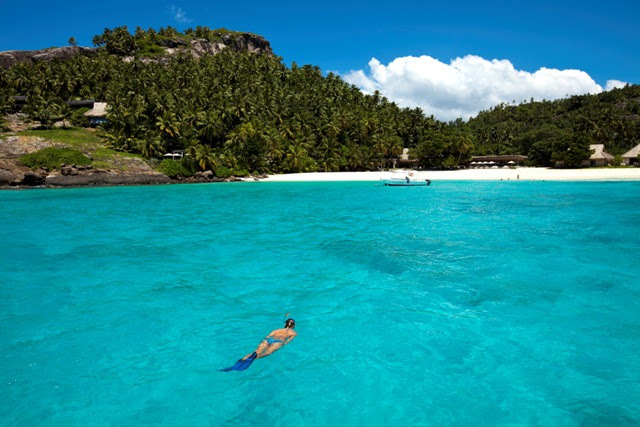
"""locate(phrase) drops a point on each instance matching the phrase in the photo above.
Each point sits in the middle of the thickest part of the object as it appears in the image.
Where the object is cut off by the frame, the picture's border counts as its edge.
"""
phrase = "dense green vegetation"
(561, 130)
(175, 168)
(53, 157)
(241, 112)
(3, 125)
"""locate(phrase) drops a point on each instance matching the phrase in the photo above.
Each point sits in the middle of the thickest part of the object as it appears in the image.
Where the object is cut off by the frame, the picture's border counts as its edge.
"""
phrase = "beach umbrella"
(492, 162)
(511, 162)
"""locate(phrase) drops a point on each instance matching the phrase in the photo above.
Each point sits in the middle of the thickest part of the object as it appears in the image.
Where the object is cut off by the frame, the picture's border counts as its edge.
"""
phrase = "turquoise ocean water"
(462, 303)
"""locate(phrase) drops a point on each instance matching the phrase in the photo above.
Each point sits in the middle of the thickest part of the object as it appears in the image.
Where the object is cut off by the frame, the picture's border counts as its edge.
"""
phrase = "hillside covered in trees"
(545, 131)
(243, 111)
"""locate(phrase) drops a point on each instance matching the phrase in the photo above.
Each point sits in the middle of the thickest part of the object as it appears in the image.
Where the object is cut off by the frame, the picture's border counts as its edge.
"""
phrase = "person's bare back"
(277, 339)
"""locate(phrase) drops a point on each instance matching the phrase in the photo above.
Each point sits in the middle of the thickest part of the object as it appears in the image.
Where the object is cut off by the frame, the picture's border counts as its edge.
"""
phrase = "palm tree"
(380, 149)
(65, 114)
(119, 140)
(151, 146)
(206, 158)
(463, 145)
(330, 156)
(212, 127)
(599, 133)
(273, 146)
(296, 158)
(167, 124)
(46, 112)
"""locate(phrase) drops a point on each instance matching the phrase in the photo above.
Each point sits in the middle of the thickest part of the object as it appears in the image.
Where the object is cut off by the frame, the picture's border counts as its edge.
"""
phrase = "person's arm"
(289, 339)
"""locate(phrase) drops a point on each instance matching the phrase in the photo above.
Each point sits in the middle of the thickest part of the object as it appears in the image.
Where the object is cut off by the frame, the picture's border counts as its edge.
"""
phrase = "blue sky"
(600, 39)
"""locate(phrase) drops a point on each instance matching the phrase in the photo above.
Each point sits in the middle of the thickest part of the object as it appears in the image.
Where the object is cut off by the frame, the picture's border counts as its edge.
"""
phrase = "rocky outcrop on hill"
(197, 47)
(11, 57)
(239, 43)
(201, 47)
(13, 174)
(125, 170)
(249, 42)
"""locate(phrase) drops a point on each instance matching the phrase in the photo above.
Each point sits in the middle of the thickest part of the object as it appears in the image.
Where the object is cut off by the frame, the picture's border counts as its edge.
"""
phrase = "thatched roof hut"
(599, 152)
(631, 156)
(405, 160)
(99, 110)
(599, 156)
(98, 114)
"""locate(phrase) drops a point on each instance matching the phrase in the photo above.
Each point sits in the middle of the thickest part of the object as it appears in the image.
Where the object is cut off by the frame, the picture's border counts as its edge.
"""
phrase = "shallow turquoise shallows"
(467, 303)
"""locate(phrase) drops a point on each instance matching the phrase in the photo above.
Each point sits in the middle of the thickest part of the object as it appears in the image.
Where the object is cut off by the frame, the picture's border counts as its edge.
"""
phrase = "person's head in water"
(290, 323)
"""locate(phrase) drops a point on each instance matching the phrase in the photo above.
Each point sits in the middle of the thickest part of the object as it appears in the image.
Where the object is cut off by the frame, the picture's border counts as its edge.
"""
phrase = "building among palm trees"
(599, 157)
(403, 161)
(80, 103)
(631, 156)
(98, 114)
(17, 103)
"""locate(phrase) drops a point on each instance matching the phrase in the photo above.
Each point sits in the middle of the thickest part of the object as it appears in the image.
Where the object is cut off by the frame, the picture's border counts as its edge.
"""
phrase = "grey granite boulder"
(11, 57)
(8, 177)
(249, 42)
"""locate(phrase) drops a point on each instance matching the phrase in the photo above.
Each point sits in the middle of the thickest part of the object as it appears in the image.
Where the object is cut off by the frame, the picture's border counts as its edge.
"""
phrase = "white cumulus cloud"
(467, 85)
(179, 15)
(614, 84)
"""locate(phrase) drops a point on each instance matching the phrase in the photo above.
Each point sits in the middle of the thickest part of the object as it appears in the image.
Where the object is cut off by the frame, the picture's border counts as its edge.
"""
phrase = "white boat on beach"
(405, 179)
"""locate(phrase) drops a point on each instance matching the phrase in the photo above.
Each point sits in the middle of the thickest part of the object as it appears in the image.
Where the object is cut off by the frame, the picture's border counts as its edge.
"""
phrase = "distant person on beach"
(271, 343)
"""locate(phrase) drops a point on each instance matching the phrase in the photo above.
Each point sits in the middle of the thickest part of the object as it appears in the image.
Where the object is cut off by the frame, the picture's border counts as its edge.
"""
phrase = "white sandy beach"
(522, 174)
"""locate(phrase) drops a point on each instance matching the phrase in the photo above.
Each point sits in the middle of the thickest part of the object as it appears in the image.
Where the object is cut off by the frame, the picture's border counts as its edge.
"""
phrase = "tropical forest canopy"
(551, 130)
(246, 112)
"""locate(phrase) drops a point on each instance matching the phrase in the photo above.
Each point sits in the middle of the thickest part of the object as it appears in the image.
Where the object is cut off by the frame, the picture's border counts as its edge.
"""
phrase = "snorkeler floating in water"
(271, 343)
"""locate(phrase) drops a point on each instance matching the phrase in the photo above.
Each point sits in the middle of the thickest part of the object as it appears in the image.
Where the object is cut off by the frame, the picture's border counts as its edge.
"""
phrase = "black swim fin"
(241, 365)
